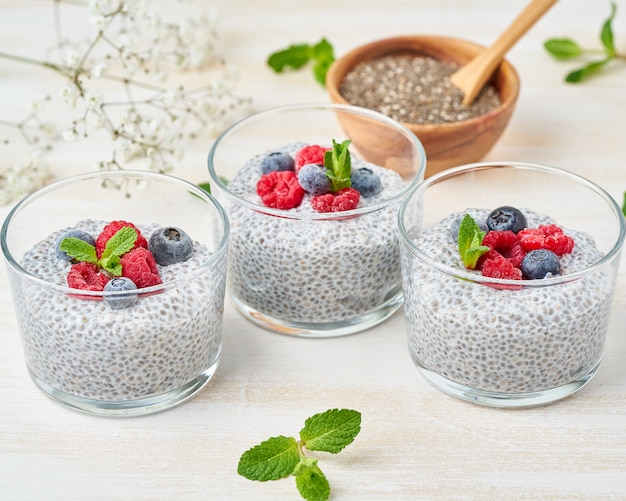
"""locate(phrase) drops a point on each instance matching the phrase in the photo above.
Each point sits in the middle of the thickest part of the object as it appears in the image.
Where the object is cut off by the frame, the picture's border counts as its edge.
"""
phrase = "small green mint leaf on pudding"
(470, 242)
(120, 243)
(79, 250)
(331, 431)
(310, 481)
(338, 165)
(272, 459)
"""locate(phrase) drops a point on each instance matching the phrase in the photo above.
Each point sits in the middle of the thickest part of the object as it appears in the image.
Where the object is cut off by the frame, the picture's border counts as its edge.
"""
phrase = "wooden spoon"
(472, 77)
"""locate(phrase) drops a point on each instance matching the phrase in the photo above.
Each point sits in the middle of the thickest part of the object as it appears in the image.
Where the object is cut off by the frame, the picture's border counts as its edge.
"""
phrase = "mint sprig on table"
(470, 242)
(338, 165)
(279, 457)
(118, 245)
(566, 49)
(297, 55)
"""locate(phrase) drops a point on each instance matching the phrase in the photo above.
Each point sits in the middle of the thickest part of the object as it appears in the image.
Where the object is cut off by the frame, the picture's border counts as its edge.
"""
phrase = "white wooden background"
(415, 443)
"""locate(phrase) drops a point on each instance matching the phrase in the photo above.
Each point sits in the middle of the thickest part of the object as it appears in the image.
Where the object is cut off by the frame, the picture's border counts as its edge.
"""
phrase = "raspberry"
(86, 277)
(139, 265)
(313, 154)
(549, 237)
(500, 267)
(507, 244)
(111, 229)
(344, 199)
(280, 190)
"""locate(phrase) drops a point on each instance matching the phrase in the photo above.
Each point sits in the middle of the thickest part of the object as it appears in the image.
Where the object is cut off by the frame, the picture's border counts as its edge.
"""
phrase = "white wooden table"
(415, 443)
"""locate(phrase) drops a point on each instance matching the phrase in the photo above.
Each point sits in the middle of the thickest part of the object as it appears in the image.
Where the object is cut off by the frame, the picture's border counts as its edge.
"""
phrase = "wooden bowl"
(448, 144)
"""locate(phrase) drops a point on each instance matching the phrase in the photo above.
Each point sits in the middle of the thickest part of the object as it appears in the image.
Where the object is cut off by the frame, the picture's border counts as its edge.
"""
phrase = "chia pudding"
(310, 269)
(81, 346)
(540, 335)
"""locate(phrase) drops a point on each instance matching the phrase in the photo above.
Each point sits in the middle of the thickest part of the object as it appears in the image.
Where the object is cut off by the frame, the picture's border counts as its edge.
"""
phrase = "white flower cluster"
(119, 80)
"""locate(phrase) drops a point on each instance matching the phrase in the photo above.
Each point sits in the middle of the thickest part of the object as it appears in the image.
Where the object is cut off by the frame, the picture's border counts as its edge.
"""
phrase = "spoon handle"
(472, 77)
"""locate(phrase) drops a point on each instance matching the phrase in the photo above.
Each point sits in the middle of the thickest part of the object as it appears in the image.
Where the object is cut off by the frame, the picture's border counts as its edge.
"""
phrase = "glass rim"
(313, 216)
(518, 284)
(129, 173)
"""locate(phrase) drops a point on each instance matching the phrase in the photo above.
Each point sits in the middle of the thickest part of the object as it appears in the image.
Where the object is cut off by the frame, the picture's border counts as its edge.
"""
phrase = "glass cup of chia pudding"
(508, 272)
(314, 247)
(118, 282)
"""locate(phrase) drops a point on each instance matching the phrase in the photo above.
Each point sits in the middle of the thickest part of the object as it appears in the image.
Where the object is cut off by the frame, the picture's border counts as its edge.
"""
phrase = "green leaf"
(79, 250)
(275, 458)
(310, 480)
(563, 48)
(323, 55)
(320, 70)
(120, 243)
(112, 264)
(624, 205)
(606, 34)
(331, 431)
(294, 56)
(470, 242)
(205, 186)
(586, 71)
(338, 165)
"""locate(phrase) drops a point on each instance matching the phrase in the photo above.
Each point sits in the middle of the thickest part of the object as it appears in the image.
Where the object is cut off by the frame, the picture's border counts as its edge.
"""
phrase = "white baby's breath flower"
(70, 94)
(70, 134)
(93, 100)
(71, 58)
(97, 70)
(98, 22)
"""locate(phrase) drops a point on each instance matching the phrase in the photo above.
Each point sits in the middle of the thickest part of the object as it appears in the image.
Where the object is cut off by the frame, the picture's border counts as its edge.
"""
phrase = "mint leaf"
(205, 186)
(338, 165)
(298, 55)
(586, 71)
(120, 243)
(606, 34)
(624, 205)
(272, 459)
(563, 48)
(112, 264)
(310, 481)
(79, 250)
(470, 242)
(331, 431)
(294, 56)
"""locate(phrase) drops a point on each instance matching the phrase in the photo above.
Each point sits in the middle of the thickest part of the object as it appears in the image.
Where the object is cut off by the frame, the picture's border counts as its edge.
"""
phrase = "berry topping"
(81, 235)
(366, 182)
(111, 229)
(87, 277)
(280, 190)
(170, 245)
(344, 199)
(500, 267)
(139, 265)
(507, 244)
(313, 154)
(276, 161)
(313, 178)
(540, 263)
(506, 218)
(120, 301)
(549, 237)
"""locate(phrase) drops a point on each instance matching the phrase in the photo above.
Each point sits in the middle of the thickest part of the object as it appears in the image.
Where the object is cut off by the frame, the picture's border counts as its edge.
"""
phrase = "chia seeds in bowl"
(303, 272)
(84, 349)
(508, 343)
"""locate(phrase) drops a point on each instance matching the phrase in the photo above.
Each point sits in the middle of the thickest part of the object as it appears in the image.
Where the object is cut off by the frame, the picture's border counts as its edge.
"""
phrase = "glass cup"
(508, 343)
(123, 353)
(307, 273)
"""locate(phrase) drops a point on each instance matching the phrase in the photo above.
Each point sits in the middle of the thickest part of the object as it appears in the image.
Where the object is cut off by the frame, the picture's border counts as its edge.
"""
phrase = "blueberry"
(120, 301)
(276, 160)
(170, 245)
(81, 235)
(366, 182)
(539, 263)
(506, 218)
(313, 179)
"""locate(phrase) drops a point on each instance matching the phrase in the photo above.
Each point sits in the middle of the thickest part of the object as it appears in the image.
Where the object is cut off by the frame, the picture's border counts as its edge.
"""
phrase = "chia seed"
(413, 89)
